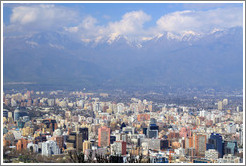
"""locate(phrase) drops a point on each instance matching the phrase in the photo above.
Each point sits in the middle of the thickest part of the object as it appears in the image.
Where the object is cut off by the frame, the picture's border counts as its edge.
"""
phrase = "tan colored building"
(86, 145)
(27, 131)
(21, 144)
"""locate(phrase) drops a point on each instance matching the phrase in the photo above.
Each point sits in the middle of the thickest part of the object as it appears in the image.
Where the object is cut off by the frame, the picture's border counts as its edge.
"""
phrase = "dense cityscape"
(94, 127)
(152, 83)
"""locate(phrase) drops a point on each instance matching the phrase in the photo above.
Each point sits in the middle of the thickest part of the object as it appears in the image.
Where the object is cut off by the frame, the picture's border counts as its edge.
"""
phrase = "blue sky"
(137, 20)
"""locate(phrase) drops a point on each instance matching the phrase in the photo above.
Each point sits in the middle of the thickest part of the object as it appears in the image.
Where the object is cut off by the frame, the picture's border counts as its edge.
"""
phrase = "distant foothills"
(52, 59)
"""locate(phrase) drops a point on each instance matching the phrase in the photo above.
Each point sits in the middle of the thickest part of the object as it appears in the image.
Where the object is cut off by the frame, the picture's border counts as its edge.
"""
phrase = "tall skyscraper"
(216, 142)
(200, 144)
(84, 132)
(16, 114)
(152, 131)
(80, 137)
(79, 142)
(103, 136)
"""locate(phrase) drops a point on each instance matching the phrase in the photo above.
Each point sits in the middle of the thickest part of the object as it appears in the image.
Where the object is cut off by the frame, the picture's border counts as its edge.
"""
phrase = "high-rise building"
(118, 148)
(220, 105)
(79, 142)
(152, 131)
(60, 141)
(154, 144)
(32, 147)
(85, 133)
(216, 142)
(78, 138)
(21, 144)
(231, 128)
(49, 148)
(49, 125)
(124, 137)
(200, 144)
(225, 101)
(191, 152)
(16, 114)
(230, 148)
(103, 136)
(86, 145)
(145, 131)
(71, 140)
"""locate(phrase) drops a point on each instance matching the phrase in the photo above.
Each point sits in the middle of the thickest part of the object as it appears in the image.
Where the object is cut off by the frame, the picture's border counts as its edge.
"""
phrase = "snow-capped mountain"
(185, 59)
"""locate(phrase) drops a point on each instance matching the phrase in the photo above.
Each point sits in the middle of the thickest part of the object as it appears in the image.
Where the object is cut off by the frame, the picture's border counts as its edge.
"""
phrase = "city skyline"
(123, 82)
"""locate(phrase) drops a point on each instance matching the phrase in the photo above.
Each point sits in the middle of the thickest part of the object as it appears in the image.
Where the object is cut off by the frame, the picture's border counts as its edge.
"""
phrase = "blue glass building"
(216, 142)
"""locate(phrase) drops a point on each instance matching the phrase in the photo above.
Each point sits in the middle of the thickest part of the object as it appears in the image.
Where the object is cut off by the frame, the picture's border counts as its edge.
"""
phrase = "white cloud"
(72, 29)
(40, 17)
(52, 17)
(130, 23)
(112, 37)
(21, 16)
(200, 21)
(89, 22)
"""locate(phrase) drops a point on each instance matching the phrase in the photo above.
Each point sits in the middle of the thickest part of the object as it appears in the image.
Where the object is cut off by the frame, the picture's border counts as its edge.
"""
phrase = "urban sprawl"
(82, 127)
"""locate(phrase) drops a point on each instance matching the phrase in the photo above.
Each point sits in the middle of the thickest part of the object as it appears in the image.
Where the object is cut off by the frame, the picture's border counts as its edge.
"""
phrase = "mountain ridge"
(195, 59)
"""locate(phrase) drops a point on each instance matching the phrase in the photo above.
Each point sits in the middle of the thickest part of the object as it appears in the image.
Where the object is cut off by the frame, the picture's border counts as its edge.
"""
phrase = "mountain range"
(190, 59)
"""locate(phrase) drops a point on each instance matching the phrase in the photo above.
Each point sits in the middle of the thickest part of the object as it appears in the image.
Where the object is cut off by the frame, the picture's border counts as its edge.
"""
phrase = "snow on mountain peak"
(146, 38)
(172, 36)
(32, 43)
(215, 30)
(112, 37)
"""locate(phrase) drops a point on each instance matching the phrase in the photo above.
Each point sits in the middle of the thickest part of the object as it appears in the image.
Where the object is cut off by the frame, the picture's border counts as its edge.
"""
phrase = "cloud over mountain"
(53, 44)
(36, 18)
(201, 21)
